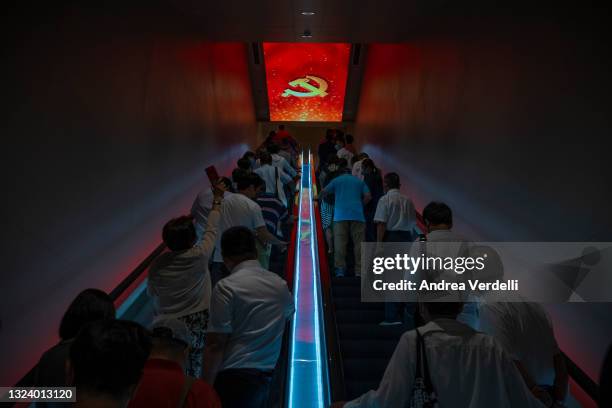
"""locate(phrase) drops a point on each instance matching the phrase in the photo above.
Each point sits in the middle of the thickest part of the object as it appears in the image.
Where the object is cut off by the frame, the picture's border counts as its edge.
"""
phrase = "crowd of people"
(221, 302)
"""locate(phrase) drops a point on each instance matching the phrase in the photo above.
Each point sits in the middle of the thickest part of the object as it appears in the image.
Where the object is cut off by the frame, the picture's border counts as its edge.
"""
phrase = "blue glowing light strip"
(308, 377)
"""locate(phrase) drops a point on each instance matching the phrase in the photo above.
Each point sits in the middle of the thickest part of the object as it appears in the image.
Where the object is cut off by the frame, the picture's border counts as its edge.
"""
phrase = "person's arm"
(367, 196)
(381, 228)
(209, 239)
(267, 238)
(287, 168)
(396, 385)
(213, 355)
(561, 378)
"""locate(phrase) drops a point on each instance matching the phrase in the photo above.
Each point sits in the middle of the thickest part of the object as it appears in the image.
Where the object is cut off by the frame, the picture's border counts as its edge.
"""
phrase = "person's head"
(238, 245)
(271, 135)
(106, 361)
(342, 163)
(349, 139)
(340, 143)
(244, 164)
(179, 233)
(273, 148)
(391, 181)
(89, 305)
(251, 157)
(265, 158)
(281, 127)
(368, 166)
(247, 185)
(171, 340)
(238, 174)
(330, 134)
(437, 216)
(259, 183)
(227, 182)
(436, 310)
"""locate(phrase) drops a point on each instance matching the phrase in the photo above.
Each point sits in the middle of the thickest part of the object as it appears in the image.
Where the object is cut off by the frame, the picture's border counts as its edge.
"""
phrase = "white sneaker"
(386, 323)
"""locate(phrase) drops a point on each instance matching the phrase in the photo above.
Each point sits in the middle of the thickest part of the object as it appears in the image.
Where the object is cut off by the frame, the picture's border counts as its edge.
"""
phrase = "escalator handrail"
(334, 355)
(580, 377)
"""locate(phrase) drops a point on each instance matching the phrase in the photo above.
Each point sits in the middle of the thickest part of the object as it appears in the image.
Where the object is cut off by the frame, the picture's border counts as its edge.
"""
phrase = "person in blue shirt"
(351, 194)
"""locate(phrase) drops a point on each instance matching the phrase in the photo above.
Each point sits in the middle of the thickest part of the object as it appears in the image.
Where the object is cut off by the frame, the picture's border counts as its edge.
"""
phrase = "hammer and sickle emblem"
(307, 83)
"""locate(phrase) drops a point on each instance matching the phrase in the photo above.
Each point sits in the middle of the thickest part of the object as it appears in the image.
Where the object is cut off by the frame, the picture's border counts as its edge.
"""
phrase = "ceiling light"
(308, 13)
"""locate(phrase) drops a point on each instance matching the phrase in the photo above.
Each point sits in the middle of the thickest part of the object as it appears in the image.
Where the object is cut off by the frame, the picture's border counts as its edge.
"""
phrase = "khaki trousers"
(342, 231)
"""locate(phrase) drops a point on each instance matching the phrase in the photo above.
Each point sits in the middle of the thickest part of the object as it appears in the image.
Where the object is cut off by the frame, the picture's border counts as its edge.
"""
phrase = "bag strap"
(419, 350)
(276, 182)
(426, 376)
(189, 380)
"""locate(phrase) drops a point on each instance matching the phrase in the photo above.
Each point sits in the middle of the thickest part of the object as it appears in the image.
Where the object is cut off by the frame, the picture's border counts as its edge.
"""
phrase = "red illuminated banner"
(306, 81)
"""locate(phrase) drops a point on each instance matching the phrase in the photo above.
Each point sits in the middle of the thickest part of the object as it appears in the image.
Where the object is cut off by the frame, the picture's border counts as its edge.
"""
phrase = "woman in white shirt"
(179, 280)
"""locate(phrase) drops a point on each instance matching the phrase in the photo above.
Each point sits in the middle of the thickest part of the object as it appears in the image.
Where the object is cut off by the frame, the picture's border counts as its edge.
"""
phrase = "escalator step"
(355, 304)
(347, 291)
(338, 282)
(359, 316)
(359, 369)
(367, 348)
(367, 331)
(355, 388)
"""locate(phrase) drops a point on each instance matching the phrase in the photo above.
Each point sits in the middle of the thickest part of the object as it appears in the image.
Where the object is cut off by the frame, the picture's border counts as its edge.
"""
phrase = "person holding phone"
(179, 280)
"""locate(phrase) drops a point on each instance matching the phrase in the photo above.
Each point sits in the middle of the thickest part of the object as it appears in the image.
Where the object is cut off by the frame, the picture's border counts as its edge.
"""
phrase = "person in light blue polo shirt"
(351, 194)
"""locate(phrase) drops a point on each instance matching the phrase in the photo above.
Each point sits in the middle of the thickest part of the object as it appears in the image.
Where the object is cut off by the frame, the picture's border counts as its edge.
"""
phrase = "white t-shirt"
(467, 369)
(344, 153)
(396, 211)
(237, 210)
(524, 329)
(269, 173)
(252, 306)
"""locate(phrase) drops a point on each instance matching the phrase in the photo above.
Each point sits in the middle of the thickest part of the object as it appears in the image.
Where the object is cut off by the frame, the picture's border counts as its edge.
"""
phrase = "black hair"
(281, 127)
(247, 181)
(273, 148)
(329, 134)
(265, 158)
(258, 181)
(238, 174)
(237, 242)
(179, 233)
(244, 163)
(392, 180)
(349, 139)
(342, 162)
(450, 309)
(89, 305)
(332, 158)
(108, 357)
(436, 213)
(248, 154)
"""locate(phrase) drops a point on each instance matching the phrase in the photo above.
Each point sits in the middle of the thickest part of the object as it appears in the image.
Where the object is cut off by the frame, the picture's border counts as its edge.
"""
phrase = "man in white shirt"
(467, 369)
(248, 314)
(274, 177)
(395, 220)
(240, 209)
(525, 331)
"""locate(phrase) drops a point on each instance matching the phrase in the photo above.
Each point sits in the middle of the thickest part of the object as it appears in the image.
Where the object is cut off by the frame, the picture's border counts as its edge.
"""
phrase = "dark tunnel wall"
(110, 122)
(509, 124)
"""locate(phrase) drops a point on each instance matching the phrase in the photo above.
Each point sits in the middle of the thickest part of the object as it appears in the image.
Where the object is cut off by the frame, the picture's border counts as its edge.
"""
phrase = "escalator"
(334, 349)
